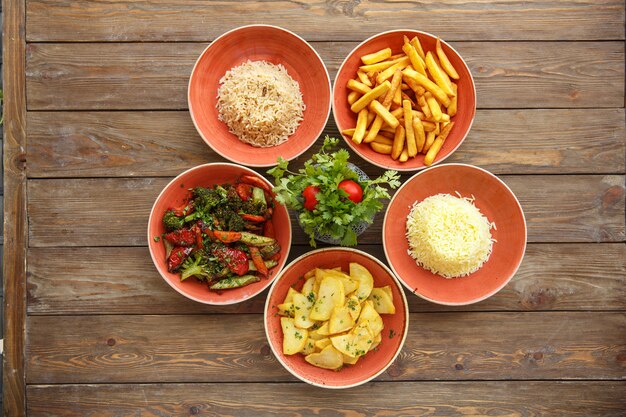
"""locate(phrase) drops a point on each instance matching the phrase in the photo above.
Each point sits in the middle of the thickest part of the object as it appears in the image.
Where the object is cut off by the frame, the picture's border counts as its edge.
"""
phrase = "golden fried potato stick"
(420, 134)
(364, 78)
(405, 96)
(361, 125)
(367, 98)
(398, 143)
(378, 122)
(416, 60)
(377, 56)
(437, 144)
(429, 126)
(381, 111)
(404, 86)
(383, 140)
(348, 132)
(421, 102)
(388, 73)
(404, 156)
(381, 66)
(434, 107)
(353, 96)
(413, 85)
(435, 90)
(445, 62)
(381, 148)
(411, 146)
(418, 46)
(439, 75)
(357, 86)
(430, 138)
(451, 109)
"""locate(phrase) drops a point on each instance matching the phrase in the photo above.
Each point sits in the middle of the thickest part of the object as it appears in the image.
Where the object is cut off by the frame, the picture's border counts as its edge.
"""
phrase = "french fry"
(396, 56)
(381, 66)
(372, 76)
(361, 125)
(404, 156)
(364, 78)
(421, 102)
(451, 109)
(398, 113)
(398, 143)
(430, 138)
(388, 135)
(445, 117)
(388, 73)
(445, 62)
(439, 75)
(405, 87)
(387, 117)
(413, 85)
(418, 46)
(381, 148)
(353, 96)
(436, 91)
(420, 135)
(348, 132)
(408, 127)
(367, 98)
(434, 107)
(437, 144)
(429, 126)
(357, 86)
(418, 114)
(370, 117)
(383, 140)
(378, 122)
(397, 97)
(406, 97)
(416, 60)
(375, 57)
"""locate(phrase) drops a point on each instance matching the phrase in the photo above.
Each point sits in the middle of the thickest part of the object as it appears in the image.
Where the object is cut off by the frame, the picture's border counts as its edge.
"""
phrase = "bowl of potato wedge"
(336, 317)
(404, 100)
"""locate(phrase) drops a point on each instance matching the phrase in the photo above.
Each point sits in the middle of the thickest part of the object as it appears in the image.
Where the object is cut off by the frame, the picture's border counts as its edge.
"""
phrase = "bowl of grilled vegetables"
(217, 236)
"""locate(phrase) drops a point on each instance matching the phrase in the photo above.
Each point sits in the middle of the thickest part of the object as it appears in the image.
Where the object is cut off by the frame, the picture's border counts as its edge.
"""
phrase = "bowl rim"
(342, 249)
(193, 71)
(385, 166)
(475, 300)
(155, 261)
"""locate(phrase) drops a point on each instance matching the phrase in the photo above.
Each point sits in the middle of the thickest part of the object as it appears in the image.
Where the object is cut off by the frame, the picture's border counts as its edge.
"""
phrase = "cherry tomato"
(309, 193)
(354, 190)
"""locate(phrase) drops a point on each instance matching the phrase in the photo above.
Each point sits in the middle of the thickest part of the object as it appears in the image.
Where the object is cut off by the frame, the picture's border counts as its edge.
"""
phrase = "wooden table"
(96, 123)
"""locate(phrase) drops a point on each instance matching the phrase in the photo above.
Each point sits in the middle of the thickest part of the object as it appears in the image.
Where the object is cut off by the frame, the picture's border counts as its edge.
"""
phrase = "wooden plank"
(533, 398)
(15, 233)
(114, 211)
(233, 348)
(154, 76)
(124, 281)
(62, 20)
(105, 144)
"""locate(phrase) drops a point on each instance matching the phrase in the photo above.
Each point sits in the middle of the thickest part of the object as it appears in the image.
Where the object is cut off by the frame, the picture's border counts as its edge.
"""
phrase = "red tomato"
(310, 201)
(354, 190)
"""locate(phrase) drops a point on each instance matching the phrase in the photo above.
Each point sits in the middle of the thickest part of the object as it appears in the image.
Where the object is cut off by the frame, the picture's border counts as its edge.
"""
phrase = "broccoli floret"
(171, 221)
(196, 266)
(205, 199)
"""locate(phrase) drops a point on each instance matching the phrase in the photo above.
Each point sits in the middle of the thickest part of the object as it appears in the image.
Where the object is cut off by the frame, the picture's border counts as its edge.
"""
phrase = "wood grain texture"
(60, 20)
(154, 76)
(506, 398)
(114, 211)
(233, 348)
(15, 233)
(124, 281)
(129, 144)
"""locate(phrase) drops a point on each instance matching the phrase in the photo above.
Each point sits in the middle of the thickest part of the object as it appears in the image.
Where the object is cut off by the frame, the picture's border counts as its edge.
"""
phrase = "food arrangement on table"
(403, 100)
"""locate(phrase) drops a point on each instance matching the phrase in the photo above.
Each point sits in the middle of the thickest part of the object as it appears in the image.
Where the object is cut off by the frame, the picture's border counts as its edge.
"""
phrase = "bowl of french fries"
(336, 317)
(404, 100)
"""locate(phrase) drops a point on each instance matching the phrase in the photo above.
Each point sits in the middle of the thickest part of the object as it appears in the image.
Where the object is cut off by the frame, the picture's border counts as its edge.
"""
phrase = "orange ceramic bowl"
(173, 195)
(374, 362)
(255, 43)
(345, 118)
(493, 198)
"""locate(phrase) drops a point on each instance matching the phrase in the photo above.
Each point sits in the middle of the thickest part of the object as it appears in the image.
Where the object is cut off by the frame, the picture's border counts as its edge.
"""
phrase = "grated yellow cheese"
(448, 235)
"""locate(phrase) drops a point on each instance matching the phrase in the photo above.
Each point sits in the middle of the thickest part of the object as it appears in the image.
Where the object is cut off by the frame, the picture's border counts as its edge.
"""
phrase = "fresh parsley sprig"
(334, 214)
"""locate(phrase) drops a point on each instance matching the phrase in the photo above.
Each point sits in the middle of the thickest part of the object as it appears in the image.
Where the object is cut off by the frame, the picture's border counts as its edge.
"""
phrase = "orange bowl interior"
(345, 118)
(374, 361)
(255, 43)
(174, 195)
(493, 198)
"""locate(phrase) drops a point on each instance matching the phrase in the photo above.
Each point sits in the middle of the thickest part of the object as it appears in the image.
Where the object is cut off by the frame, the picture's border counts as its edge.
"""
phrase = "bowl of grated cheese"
(259, 92)
(454, 234)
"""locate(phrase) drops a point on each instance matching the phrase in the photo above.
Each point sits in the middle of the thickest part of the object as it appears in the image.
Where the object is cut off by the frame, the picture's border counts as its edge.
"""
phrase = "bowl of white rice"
(259, 92)
(454, 234)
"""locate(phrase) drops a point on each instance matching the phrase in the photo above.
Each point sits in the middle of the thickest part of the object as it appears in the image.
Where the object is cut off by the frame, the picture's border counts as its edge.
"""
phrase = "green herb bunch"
(334, 213)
